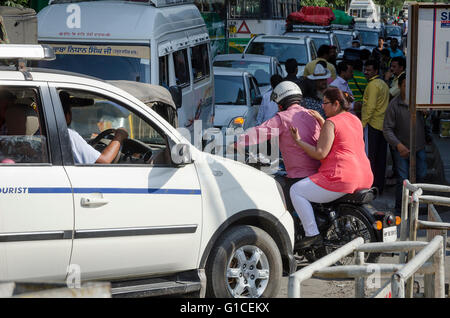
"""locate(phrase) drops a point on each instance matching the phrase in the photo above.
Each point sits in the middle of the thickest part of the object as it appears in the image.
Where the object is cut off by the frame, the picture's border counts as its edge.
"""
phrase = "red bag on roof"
(312, 15)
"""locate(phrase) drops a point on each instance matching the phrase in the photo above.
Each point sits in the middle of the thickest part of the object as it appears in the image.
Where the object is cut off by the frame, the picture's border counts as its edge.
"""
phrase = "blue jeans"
(402, 169)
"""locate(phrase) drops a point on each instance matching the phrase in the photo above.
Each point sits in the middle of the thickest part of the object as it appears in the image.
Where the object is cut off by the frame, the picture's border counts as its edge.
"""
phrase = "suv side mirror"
(180, 153)
(177, 95)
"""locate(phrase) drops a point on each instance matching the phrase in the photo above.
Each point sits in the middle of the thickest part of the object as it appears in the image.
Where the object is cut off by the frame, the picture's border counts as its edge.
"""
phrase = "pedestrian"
(385, 63)
(394, 50)
(358, 85)
(398, 66)
(268, 108)
(311, 99)
(356, 44)
(323, 55)
(375, 102)
(396, 130)
(320, 77)
(332, 57)
(376, 53)
(291, 66)
(344, 73)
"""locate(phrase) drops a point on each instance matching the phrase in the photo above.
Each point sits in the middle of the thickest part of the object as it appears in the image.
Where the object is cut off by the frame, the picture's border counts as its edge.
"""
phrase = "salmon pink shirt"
(298, 164)
(346, 168)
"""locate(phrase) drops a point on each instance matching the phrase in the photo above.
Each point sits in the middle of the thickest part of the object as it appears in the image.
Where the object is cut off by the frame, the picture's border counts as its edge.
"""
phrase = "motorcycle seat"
(359, 197)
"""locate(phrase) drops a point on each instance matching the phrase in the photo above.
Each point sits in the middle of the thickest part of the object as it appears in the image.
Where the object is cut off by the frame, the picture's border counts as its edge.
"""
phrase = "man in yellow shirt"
(323, 55)
(375, 102)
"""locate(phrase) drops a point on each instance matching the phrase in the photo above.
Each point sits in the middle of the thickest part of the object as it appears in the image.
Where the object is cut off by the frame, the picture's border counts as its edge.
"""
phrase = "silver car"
(262, 67)
(237, 98)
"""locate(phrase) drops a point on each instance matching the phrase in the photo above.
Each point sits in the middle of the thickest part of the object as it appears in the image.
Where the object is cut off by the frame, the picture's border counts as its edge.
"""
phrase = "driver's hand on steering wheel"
(121, 134)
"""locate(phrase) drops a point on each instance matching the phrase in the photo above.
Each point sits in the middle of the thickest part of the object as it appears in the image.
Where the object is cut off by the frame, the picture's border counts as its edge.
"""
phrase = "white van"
(160, 42)
(365, 11)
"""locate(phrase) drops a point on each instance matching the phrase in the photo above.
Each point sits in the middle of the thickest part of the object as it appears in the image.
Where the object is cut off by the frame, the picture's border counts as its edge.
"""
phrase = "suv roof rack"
(156, 3)
(342, 27)
(18, 54)
(307, 28)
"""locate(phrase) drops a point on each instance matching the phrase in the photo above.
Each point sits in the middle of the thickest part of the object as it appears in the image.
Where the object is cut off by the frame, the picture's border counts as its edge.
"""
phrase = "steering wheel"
(102, 135)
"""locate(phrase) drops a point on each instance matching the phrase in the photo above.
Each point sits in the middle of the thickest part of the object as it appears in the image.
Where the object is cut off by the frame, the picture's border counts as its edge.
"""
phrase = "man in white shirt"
(268, 108)
(345, 72)
(83, 153)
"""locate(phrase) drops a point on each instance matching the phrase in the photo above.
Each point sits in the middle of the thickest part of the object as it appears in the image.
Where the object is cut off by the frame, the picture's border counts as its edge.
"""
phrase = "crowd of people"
(337, 124)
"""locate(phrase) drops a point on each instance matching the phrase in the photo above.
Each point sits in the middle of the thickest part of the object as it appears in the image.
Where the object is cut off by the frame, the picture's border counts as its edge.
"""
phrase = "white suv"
(163, 210)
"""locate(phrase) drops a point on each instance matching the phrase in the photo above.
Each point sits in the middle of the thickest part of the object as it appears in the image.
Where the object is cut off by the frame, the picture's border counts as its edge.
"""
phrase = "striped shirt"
(362, 83)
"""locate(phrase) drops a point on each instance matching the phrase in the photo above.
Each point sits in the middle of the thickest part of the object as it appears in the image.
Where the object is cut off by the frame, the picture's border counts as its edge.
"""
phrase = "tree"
(15, 3)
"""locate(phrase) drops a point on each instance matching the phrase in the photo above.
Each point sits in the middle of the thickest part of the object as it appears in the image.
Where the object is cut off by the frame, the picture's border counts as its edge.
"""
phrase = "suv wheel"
(245, 262)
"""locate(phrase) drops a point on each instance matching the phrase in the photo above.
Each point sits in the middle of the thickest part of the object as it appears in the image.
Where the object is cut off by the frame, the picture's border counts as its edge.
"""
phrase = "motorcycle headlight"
(237, 122)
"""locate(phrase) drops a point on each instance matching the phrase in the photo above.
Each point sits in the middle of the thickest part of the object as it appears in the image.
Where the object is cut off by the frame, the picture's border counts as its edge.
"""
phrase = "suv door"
(131, 218)
(36, 204)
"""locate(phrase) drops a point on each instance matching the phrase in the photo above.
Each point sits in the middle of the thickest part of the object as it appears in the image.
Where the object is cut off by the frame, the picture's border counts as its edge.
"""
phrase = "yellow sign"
(103, 50)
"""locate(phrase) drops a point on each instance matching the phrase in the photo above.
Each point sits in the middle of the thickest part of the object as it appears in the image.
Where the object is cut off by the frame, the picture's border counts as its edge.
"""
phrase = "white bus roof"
(116, 21)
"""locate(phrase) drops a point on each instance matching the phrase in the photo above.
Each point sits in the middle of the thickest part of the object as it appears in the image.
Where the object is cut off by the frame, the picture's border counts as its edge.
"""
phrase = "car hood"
(224, 114)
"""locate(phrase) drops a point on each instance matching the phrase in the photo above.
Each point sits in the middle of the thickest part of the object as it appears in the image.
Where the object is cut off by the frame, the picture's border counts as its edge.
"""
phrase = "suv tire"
(245, 262)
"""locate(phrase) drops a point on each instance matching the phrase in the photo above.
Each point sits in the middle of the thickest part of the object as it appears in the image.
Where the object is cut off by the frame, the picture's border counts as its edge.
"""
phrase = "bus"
(243, 19)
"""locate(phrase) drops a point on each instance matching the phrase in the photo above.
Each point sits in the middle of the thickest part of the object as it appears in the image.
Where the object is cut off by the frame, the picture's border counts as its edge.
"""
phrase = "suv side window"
(254, 92)
(180, 61)
(93, 114)
(200, 62)
(23, 137)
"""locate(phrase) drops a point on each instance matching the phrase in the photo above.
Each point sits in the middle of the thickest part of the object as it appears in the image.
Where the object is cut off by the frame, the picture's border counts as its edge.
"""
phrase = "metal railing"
(361, 271)
(412, 198)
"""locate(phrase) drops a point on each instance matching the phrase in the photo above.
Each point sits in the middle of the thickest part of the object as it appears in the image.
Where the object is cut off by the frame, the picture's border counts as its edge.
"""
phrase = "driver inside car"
(83, 153)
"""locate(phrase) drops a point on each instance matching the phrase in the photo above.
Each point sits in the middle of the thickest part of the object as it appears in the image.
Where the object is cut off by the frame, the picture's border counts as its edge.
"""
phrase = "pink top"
(346, 168)
(298, 164)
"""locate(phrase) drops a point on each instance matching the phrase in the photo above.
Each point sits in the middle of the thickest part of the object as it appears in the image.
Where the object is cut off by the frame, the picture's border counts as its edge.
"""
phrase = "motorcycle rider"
(298, 164)
(344, 168)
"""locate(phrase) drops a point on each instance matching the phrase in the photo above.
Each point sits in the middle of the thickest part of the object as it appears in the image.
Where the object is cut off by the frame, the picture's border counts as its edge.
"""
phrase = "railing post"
(294, 287)
(405, 218)
(398, 286)
(359, 281)
(439, 277)
(412, 237)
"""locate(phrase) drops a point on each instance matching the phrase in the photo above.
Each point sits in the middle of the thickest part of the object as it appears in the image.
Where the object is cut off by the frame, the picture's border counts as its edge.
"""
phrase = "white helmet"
(283, 90)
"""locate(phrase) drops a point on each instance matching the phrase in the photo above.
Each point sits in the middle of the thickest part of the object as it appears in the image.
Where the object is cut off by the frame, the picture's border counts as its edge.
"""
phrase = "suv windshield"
(319, 41)
(260, 70)
(345, 40)
(282, 51)
(229, 90)
(369, 38)
(393, 32)
(105, 62)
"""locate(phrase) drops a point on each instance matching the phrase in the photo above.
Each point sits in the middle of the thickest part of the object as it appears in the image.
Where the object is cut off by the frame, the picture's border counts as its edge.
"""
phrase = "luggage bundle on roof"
(319, 17)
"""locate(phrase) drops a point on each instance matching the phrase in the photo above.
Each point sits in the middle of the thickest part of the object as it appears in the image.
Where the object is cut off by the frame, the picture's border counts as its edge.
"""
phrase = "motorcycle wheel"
(351, 223)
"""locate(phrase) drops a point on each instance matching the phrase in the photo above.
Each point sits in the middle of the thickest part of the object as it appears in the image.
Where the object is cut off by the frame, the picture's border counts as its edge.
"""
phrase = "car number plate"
(390, 234)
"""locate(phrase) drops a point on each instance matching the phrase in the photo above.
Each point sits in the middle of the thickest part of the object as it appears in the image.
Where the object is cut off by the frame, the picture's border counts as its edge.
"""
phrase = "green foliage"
(14, 3)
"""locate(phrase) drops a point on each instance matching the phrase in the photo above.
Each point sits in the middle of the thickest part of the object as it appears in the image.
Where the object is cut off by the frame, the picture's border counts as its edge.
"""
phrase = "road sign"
(243, 29)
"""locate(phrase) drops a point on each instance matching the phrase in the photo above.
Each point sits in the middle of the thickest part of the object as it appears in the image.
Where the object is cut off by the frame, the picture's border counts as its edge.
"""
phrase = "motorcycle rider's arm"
(324, 144)
(261, 133)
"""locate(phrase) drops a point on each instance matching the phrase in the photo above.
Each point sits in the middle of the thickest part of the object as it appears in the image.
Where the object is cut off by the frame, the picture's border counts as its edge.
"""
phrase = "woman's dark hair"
(335, 94)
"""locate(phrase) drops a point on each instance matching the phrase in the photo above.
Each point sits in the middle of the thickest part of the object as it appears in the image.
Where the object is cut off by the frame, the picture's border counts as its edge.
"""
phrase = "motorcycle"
(339, 221)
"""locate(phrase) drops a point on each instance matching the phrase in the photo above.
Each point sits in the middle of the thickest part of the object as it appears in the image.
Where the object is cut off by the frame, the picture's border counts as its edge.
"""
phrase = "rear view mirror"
(180, 153)
(177, 95)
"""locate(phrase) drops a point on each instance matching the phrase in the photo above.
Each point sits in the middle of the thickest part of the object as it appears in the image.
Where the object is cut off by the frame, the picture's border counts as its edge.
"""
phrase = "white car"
(163, 210)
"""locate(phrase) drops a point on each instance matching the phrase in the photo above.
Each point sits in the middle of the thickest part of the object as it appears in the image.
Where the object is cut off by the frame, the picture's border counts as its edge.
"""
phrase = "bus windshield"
(282, 51)
(104, 62)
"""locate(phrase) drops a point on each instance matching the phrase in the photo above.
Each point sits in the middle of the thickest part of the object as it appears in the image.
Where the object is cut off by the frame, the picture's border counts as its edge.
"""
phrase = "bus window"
(180, 62)
(164, 71)
(200, 62)
(244, 8)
